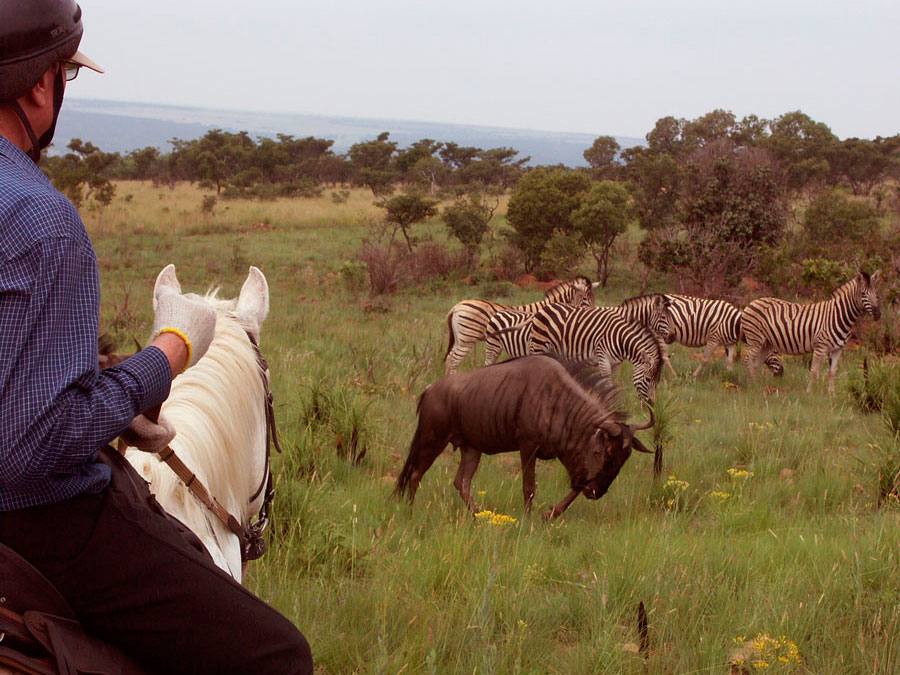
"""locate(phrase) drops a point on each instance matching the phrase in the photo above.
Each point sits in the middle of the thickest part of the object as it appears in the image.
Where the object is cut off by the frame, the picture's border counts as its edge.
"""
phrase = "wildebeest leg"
(468, 463)
(664, 349)
(562, 506)
(529, 458)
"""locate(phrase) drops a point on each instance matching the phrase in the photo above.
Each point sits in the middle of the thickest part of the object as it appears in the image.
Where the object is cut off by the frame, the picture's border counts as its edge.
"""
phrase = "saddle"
(39, 633)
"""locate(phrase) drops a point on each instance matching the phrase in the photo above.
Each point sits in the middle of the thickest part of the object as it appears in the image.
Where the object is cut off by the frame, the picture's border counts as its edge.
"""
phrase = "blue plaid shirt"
(56, 409)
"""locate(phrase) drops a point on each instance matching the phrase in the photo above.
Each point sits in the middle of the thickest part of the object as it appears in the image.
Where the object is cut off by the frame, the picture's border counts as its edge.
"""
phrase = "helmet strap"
(38, 144)
(34, 152)
(59, 88)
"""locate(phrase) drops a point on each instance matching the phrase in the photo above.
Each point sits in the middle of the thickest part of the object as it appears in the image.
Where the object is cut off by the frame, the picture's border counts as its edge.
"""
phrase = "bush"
(384, 265)
(832, 221)
(354, 274)
(562, 254)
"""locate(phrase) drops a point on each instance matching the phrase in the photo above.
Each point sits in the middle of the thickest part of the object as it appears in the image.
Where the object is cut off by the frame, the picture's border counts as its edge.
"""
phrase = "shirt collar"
(19, 158)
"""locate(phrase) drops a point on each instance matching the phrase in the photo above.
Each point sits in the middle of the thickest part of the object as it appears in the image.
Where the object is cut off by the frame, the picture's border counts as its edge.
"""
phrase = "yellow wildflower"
(495, 518)
(740, 473)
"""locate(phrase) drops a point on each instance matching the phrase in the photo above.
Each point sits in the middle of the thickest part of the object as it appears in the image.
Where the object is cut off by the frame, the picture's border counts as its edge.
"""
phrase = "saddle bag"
(39, 633)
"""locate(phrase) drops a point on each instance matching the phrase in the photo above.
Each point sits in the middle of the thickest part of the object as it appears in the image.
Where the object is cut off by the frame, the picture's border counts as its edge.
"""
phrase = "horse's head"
(220, 410)
(250, 308)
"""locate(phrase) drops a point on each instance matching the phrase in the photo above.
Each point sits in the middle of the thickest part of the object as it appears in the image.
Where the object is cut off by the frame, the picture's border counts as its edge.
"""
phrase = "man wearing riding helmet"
(79, 513)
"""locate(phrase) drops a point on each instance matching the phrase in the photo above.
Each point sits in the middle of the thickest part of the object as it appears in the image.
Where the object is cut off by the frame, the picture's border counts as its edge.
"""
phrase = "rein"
(253, 545)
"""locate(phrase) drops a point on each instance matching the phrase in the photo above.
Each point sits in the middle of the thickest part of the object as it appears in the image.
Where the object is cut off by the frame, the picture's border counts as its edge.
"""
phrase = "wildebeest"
(534, 405)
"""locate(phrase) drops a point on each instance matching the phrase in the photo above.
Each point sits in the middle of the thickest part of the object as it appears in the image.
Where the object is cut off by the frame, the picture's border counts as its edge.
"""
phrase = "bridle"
(253, 545)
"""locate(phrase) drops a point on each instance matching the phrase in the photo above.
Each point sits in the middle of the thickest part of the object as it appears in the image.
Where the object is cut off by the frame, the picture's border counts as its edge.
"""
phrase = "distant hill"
(121, 127)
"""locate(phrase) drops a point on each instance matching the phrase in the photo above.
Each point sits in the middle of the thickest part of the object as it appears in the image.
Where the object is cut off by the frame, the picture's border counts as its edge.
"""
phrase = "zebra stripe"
(603, 336)
(707, 323)
(468, 319)
(509, 331)
(771, 325)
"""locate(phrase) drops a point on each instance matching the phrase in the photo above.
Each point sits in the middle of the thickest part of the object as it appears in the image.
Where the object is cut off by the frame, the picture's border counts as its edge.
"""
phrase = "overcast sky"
(560, 65)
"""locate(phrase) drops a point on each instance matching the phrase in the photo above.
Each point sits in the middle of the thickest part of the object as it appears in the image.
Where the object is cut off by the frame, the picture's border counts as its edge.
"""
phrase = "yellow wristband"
(187, 342)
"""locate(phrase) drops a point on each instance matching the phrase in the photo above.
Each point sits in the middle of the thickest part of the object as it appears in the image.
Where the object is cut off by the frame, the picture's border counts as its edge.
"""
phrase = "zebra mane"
(851, 283)
(639, 299)
(562, 285)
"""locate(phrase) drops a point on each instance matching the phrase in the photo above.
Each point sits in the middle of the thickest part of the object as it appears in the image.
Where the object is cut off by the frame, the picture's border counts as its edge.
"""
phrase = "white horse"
(219, 412)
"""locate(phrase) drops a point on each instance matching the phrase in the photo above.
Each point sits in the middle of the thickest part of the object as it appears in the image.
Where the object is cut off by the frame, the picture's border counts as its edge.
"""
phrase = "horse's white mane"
(218, 410)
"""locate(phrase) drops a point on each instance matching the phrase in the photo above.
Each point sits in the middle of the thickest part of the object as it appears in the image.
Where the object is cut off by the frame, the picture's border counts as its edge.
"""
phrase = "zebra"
(510, 330)
(467, 320)
(707, 323)
(602, 336)
(771, 325)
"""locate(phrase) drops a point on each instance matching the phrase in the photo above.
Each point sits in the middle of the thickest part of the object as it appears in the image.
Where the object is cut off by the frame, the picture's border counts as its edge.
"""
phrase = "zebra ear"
(595, 284)
(874, 277)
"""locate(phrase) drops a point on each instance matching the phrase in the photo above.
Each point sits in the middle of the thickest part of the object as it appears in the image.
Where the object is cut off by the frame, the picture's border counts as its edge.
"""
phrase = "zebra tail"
(452, 336)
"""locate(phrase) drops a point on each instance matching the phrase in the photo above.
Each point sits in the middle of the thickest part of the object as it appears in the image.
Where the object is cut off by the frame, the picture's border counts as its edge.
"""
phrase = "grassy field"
(765, 528)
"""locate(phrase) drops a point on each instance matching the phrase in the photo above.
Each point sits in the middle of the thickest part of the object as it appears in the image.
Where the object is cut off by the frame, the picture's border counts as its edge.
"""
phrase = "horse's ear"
(166, 279)
(253, 302)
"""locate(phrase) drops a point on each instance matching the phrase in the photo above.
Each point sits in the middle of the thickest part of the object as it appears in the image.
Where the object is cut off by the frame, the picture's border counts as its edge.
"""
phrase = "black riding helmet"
(35, 34)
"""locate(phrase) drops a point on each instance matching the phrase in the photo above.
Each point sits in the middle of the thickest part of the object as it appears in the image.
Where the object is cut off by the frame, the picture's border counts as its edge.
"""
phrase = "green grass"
(804, 547)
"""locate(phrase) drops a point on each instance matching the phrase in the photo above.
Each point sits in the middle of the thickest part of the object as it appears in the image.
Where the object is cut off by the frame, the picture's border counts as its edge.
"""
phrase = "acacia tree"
(603, 215)
(405, 210)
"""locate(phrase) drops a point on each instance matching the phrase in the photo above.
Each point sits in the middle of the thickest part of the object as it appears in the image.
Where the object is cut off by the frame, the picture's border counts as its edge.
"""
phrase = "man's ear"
(41, 94)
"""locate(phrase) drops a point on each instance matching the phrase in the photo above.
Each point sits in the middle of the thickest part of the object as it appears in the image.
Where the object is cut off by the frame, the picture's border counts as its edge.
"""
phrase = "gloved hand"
(148, 436)
(190, 319)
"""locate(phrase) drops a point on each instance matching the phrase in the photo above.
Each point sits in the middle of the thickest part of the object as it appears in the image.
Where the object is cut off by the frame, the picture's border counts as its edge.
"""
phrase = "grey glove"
(148, 436)
(191, 319)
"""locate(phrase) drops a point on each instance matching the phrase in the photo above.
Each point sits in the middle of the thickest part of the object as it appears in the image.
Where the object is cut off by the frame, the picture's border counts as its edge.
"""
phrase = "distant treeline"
(235, 165)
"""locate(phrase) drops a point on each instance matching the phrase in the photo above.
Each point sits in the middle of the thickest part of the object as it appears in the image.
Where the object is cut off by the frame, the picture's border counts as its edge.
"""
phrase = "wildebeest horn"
(611, 428)
(640, 447)
(646, 425)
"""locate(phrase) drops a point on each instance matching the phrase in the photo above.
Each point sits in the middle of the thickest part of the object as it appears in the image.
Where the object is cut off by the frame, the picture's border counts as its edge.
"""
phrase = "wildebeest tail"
(414, 448)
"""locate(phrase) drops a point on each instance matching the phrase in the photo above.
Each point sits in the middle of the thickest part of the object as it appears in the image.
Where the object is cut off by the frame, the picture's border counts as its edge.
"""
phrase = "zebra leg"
(468, 463)
(834, 357)
(708, 352)
(456, 355)
(752, 358)
(818, 357)
(492, 350)
(664, 349)
(729, 356)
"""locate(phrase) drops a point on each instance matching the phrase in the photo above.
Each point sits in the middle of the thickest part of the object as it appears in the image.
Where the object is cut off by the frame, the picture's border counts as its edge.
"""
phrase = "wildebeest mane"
(598, 388)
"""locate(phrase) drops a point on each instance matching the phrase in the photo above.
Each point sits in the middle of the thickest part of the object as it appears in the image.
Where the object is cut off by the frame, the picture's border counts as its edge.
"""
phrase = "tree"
(468, 219)
(603, 215)
(405, 210)
(729, 206)
(371, 162)
(84, 174)
(799, 143)
(543, 201)
(601, 156)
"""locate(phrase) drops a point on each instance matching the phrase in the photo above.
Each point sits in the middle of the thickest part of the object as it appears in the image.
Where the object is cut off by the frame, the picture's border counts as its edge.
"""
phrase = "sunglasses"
(70, 70)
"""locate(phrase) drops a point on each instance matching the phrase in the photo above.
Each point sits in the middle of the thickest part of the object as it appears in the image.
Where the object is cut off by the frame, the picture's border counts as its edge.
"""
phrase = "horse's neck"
(218, 410)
